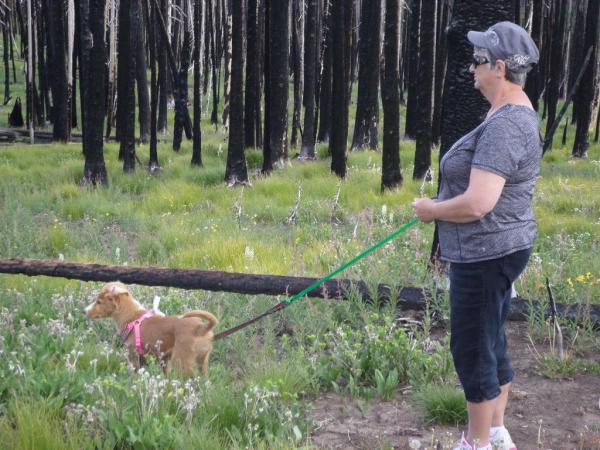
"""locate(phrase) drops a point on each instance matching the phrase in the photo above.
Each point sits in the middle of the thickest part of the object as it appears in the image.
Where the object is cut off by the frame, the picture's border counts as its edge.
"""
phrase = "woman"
(486, 225)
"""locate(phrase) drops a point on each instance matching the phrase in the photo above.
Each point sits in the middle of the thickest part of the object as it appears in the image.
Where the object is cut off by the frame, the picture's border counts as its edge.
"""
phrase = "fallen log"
(7, 135)
(251, 284)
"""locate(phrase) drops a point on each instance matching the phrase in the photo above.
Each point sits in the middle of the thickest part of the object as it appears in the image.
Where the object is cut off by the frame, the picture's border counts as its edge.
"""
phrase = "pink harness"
(135, 326)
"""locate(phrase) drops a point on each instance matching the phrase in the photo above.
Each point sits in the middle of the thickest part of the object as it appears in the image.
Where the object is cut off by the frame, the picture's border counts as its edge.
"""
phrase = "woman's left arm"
(479, 199)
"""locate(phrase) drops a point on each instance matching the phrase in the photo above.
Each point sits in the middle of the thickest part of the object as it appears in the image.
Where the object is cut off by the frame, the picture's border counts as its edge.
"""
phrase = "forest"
(251, 61)
(225, 155)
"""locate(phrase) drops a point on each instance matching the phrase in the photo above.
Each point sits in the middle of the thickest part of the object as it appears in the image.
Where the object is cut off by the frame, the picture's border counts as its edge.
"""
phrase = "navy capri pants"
(479, 304)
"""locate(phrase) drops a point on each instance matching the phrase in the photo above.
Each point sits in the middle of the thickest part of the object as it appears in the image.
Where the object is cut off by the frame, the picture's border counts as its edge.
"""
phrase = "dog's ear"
(117, 289)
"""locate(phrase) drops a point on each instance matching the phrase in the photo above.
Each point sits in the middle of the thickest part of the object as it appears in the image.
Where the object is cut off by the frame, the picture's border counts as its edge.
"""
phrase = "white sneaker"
(501, 440)
(464, 445)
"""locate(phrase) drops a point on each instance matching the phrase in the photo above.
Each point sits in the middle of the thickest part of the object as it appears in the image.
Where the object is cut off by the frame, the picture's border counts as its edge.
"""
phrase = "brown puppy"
(178, 342)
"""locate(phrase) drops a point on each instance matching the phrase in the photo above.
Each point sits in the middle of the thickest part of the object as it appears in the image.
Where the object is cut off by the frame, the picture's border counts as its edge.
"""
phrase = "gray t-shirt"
(507, 144)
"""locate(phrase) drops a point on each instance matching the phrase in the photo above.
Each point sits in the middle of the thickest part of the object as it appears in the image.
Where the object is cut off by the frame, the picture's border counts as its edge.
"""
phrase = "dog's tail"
(212, 320)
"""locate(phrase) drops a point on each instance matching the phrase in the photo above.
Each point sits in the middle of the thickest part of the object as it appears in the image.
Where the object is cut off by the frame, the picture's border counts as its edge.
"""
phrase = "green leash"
(318, 283)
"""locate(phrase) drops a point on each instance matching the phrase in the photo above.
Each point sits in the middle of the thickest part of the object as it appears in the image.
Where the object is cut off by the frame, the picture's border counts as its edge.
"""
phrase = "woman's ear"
(500, 68)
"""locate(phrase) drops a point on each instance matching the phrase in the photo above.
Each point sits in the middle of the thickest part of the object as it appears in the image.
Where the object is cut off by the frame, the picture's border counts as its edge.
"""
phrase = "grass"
(69, 377)
(442, 404)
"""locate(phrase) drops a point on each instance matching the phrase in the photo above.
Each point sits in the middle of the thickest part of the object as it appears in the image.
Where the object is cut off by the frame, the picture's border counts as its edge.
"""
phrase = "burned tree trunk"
(423, 119)
(325, 85)
(587, 88)
(181, 84)
(440, 68)
(125, 88)
(532, 86)
(5, 48)
(242, 283)
(111, 72)
(141, 69)
(60, 111)
(227, 66)
(413, 68)
(215, 60)
(339, 89)
(251, 105)
(162, 42)
(197, 144)
(236, 171)
(367, 104)
(311, 46)
(150, 14)
(279, 79)
(267, 165)
(391, 175)
(577, 50)
(297, 58)
(93, 59)
(178, 78)
(556, 62)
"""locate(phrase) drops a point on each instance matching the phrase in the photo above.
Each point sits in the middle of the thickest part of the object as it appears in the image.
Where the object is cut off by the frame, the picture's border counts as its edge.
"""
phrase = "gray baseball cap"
(507, 41)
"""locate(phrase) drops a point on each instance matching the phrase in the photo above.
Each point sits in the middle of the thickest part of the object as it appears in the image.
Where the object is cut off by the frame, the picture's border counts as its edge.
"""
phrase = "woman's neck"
(508, 93)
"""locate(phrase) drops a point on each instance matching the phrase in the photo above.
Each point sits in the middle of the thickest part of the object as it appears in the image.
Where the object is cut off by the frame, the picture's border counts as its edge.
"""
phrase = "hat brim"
(478, 39)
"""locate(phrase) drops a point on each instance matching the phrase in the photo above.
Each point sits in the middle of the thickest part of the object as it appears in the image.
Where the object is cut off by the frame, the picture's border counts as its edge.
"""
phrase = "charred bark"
(5, 48)
(413, 68)
(367, 104)
(236, 171)
(267, 165)
(181, 84)
(60, 109)
(577, 49)
(556, 62)
(297, 58)
(178, 78)
(279, 79)
(241, 283)
(423, 120)
(197, 144)
(215, 62)
(325, 83)
(227, 68)
(587, 88)
(391, 175)
(339, 89)
(533, 84)
(440, 68)
(125, 87)
(150, 16)
(141, 69)
(307, 150)
(93, 63)
(251, 105)
(162, 42)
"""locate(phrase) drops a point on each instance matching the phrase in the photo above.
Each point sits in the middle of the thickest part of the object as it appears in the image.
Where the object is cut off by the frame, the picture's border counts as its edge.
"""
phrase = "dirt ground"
(542, 413)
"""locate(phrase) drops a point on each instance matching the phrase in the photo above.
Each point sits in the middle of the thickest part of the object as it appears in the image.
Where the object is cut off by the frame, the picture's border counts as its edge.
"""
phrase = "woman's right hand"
(424, 209)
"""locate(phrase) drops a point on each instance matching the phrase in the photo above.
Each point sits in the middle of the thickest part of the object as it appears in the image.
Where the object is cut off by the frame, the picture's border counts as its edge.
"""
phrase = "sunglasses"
(479, 60)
